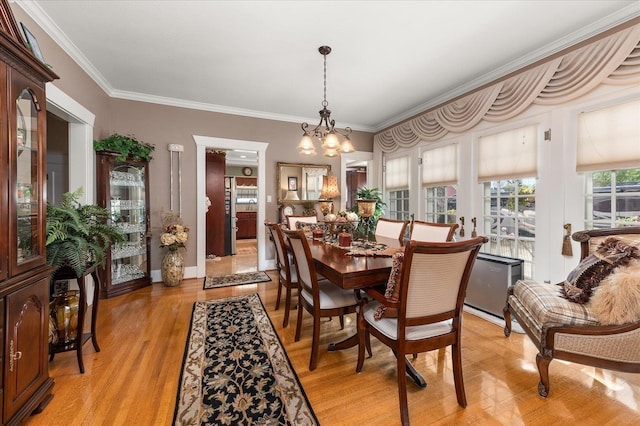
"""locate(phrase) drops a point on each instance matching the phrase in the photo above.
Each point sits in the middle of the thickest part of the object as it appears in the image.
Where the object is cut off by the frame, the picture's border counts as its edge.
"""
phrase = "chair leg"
(507, 321)
(456, 357)
(402, 389)
(299, 322)
(287, 307)
(341, 322)
(361, 345)
(315, 342)
(368, 343)
(279, 294)
(543, 369)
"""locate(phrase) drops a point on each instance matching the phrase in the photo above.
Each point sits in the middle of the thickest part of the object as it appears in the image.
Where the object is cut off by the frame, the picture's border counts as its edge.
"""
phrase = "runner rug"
(235, 370)
(236, 279)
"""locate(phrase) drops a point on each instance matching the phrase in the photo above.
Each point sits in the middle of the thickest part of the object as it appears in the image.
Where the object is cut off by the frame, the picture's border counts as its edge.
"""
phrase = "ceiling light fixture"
(325, 131)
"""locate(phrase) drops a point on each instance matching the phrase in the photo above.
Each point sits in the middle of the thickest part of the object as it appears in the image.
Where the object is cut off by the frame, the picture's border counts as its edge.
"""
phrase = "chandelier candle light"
(325, 131)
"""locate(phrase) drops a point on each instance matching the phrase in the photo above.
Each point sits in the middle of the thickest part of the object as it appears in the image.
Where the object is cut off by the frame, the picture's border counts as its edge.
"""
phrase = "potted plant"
(309, 208)
(126, 146)
(174, 236)
(372, 194)
(77, 234)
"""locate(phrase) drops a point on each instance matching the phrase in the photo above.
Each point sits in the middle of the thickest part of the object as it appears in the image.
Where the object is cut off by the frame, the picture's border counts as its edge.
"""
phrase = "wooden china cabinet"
(123, 188)
(24, 275)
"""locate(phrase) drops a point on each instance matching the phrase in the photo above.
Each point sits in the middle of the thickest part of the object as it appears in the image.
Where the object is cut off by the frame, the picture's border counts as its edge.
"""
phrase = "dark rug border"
(184, 356)
(204, 282)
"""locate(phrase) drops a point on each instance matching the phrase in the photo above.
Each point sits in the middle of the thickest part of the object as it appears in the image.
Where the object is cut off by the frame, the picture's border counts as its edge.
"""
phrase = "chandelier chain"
(324, 102)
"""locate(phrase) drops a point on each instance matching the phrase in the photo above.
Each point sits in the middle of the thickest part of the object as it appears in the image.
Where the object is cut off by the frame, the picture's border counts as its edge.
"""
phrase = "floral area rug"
(236, 279)
(235, 370)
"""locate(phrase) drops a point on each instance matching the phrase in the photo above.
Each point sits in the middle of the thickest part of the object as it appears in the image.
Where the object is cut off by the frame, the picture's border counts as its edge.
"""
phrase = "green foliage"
(365, 193)
(78, 234)
(126, 146)
(603, 179)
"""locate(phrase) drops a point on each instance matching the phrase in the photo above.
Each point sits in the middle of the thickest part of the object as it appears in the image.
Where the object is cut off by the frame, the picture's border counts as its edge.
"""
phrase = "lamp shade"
(329, 187)
(292, 196)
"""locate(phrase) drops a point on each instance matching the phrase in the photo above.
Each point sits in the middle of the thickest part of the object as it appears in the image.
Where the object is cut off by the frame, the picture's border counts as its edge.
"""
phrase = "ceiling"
(390, 59)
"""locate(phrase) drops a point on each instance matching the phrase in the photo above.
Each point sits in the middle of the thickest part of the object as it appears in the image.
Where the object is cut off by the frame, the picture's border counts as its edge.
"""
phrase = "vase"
(64, 312)
(172, 268)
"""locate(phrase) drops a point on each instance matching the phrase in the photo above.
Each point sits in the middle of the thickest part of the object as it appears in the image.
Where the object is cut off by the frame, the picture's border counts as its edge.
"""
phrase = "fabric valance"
(613, 60)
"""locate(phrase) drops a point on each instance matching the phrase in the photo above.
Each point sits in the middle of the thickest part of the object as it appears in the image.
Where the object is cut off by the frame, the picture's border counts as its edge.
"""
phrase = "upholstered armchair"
(604, 332)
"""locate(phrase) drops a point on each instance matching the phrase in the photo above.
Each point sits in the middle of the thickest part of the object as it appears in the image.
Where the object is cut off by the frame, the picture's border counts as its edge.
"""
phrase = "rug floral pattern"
(236, 371)
(236, 279)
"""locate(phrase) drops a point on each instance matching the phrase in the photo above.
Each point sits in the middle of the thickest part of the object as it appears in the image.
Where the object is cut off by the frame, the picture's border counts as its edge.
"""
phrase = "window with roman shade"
(609, 138)
(508, 155)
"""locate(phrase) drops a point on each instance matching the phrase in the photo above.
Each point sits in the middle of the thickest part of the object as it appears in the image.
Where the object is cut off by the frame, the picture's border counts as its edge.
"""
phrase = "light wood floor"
(133, 380)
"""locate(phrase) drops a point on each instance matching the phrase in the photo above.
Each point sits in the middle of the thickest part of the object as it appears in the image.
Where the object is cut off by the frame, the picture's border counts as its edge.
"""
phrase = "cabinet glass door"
(27, 208)
(128, 212)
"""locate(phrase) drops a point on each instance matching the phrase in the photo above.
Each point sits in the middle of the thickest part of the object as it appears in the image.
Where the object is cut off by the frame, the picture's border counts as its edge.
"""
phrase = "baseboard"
(515, 327)
(189, 272)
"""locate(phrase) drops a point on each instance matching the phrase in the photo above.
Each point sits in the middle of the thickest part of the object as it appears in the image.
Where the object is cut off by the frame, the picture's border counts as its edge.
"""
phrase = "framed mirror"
(298, 182)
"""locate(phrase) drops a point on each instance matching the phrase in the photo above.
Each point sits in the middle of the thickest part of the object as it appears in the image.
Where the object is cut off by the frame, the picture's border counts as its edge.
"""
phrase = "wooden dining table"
(353, 272)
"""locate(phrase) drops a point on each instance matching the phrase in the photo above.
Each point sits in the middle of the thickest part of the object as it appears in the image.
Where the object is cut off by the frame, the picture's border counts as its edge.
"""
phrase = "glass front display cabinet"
(123, 188)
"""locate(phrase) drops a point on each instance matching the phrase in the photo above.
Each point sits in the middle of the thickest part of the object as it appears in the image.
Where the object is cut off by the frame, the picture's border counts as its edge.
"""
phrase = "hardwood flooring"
(133, 380)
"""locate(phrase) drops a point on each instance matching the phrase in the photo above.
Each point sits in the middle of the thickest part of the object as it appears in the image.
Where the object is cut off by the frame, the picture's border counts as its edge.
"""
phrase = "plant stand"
(81, 337)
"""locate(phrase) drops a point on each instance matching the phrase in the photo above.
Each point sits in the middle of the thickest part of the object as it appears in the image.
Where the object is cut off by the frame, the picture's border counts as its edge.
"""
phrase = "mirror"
(300, 182)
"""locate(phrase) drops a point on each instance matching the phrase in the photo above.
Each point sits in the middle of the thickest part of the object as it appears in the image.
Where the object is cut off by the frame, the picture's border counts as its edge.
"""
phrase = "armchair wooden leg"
(341, 322)
(402, 389)
(368, 343)
(507, 321)
(543, 369)
(456, 357)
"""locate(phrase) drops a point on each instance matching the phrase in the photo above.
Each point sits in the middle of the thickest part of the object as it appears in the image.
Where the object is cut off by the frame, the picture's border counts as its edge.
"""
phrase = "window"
(507, 167)
(440, 178)
(612, 199)
(397, 187)
(398, 204)
(510, 220)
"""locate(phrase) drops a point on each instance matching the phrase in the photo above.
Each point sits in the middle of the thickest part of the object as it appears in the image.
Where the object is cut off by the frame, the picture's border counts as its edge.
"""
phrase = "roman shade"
(609, 138)
(396, 173)
(511, 154)
(440, 166)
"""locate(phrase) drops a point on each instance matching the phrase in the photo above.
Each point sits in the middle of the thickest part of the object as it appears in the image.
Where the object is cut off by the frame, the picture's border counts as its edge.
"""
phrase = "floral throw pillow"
(581, 282)
(392, 292)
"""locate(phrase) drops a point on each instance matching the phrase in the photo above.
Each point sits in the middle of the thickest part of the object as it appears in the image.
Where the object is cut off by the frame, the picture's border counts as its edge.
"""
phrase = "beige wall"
(162, 125)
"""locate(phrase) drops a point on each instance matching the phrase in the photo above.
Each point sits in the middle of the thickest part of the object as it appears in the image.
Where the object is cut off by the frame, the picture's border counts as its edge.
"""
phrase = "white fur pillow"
(617, 299)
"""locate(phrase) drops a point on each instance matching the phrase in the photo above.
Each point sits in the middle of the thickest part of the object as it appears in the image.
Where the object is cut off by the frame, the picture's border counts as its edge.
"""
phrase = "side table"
(81, 339)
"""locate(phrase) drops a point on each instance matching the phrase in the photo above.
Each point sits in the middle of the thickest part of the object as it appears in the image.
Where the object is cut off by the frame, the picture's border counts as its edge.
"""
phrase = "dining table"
(357, 272)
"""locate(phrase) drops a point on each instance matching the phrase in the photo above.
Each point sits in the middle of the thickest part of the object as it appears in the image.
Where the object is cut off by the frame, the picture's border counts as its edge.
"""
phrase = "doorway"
(202, 144)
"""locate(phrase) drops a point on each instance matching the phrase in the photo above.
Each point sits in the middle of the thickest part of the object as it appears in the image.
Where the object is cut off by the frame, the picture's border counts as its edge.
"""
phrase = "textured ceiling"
(390, 59)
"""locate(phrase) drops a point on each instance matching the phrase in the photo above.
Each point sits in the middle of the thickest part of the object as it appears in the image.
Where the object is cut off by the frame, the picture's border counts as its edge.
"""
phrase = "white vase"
(172, 268)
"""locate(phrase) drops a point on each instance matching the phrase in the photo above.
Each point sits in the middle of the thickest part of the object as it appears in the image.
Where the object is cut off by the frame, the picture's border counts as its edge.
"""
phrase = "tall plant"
(78, 234)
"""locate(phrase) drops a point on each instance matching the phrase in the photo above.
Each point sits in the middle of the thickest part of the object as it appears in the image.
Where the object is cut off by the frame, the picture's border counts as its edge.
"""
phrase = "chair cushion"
(331, 296)
(616, 301)
(540, 304)
(389, 326)
(580, 283)
(392, 292)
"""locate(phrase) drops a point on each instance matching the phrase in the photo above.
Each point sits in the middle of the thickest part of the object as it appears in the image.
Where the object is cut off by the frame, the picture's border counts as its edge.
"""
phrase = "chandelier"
(325, 131)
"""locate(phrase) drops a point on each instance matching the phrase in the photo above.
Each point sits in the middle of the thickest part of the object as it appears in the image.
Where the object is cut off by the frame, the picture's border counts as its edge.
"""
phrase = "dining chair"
(430, 231)
(320, 297)
(428, 308)
(389, 228)
(292, 220)
(287, 275)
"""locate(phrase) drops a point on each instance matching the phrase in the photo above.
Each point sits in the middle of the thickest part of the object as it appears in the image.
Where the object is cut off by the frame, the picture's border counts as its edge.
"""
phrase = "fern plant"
(78, 234)
(126, 146)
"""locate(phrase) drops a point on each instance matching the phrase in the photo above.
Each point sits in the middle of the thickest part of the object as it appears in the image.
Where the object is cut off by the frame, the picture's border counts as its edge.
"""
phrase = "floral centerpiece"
(175, 236)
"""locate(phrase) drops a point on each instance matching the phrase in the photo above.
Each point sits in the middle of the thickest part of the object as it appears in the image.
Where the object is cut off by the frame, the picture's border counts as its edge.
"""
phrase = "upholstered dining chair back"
(389, 228)
(292, 220)
(307, 277)
(429, 231)
(287, 274)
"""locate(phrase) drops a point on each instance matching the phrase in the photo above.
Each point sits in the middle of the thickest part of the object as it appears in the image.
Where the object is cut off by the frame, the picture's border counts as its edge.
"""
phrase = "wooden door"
(215, 170)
